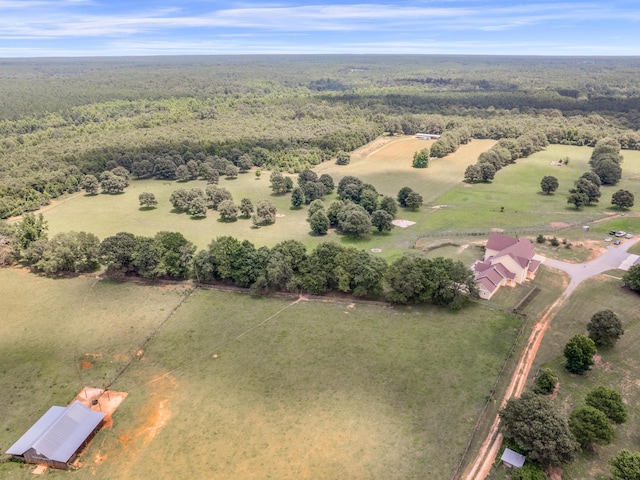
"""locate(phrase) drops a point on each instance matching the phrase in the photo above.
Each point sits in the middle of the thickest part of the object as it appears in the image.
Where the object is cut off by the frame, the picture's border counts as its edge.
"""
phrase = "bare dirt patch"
(85, 365)
(599, 363)
(497, 230)
(101, 401)
(402, 223)
(559, 225)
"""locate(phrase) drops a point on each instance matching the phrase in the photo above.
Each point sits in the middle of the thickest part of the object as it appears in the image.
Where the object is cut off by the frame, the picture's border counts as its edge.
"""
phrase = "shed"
(57, 437)
(512, 459)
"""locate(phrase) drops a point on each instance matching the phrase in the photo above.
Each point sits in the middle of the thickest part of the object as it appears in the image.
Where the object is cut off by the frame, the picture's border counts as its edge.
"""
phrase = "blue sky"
(45, 28)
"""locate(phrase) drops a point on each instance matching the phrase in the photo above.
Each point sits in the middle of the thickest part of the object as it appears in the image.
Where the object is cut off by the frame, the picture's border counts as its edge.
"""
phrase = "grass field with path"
(299, 389)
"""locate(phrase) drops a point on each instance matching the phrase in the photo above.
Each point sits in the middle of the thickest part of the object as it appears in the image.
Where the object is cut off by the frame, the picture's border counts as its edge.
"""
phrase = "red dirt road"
(481, 466)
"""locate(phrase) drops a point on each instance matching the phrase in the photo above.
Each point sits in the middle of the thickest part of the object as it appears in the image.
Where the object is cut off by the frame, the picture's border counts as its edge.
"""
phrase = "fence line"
(491, 397)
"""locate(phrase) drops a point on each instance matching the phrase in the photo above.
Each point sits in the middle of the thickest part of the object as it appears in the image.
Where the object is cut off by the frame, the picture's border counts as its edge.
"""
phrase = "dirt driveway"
(611, 259)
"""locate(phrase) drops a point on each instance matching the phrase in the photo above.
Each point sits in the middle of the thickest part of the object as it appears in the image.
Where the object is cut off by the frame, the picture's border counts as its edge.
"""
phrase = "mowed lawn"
(516, 189)
(299, 389)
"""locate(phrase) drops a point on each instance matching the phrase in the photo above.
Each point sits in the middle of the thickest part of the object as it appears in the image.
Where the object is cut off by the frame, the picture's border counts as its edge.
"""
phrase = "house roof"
(487, 284)
(513, 458)
(59, 433)
(499, 242)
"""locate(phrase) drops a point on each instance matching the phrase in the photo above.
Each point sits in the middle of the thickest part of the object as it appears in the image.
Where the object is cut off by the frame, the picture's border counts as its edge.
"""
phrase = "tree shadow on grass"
(146, 209)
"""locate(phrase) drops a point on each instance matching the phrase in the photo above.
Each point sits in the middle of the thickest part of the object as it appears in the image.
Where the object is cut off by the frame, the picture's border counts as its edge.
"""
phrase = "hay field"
(299, 389)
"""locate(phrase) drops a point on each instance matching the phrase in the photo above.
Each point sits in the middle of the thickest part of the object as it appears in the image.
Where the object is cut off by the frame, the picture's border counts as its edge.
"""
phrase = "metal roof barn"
(57, 437)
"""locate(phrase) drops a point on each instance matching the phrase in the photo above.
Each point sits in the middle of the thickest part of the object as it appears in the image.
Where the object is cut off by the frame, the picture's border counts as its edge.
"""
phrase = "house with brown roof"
(507, 261)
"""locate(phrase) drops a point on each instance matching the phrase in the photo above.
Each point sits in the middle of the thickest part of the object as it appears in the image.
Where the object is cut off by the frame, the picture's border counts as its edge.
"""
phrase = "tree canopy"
(605, 328)
(538, 427)
(579, 352)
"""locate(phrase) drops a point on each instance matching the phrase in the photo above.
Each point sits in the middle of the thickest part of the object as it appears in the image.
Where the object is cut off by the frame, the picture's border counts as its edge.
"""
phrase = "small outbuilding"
(58, 436)
(512, 459)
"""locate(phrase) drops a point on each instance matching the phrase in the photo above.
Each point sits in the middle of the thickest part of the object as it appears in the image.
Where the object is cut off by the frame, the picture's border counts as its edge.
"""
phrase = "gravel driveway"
(609, 260)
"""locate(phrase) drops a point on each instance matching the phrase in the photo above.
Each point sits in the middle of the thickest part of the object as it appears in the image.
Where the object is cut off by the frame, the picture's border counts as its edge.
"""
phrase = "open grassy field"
(386, 164)
(517, 188)
(388, 168)
(617, 368)
(299, 390)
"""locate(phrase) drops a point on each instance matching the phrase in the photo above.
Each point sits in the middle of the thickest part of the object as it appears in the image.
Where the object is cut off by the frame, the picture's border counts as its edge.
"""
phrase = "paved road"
(578, 272)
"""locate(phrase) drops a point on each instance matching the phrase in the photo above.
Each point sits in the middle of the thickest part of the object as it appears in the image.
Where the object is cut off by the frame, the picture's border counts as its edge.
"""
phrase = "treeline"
(154, 116)
(288, 266)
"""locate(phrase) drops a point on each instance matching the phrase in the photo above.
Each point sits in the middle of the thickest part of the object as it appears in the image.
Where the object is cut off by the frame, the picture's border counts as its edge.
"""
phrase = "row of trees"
(504, 153)
(288, 266)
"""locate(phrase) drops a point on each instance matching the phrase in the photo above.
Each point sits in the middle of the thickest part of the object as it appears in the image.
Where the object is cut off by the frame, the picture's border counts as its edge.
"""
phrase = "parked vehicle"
(608, 239)
(628, 235)
(617, 242)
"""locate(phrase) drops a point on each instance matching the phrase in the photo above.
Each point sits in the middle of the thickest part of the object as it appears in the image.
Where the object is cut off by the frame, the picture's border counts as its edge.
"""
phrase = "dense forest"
(62, 119)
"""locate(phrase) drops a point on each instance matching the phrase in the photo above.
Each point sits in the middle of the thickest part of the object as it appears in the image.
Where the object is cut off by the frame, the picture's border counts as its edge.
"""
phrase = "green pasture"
(49, 327)
(452, 207)
(513, 201)
(298, 390)
(617, 368)
(388, 169)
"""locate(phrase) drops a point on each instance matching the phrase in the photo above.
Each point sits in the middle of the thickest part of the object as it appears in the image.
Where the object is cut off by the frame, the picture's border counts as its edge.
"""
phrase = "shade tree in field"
(198, 207)
(487, 171)
(389, 205)
(314, 207)
(279, 183)
(228, 211)
(216, 195)
(244, 163)
(592, 177)
(350, 188)
(622, 199)
(297, 197)
(369, 200)
(605, 328)
(608, 402)
(246, 208)
(632, 278)
(403, 193)
(327, 181)
(473, 174)
(147, 200)
(231, 171)
(588, 188)
(578, 199)
(90, 184)
(209, 173)
(381, 220)
(333, 210)
(313, 190)
(549, 184)
(413, 201)
(112, 183)
(319, 222)
(625, 465)
(354, 220)
(265, 213)
(535, 424)
(421, 158)
(579, 352)
(590, 426)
